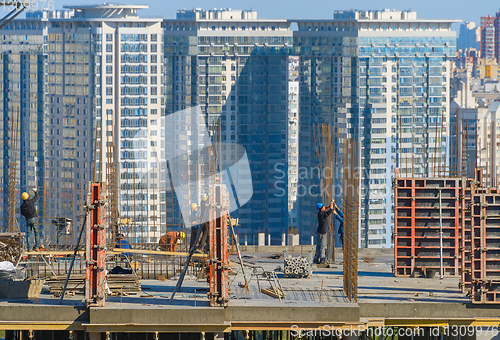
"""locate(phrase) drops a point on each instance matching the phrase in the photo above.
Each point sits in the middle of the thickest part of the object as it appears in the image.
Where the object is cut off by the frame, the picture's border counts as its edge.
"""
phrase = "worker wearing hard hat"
(323, 214)
(339, 216)
(169, 240)
(28, 210)
(204, 219)
(195, 227)
(200, 220)
(204, 207)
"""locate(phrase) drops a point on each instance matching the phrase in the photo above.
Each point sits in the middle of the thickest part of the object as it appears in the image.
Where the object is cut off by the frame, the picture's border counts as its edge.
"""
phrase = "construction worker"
(122, 243)
(28, 210)
(169, 240)
(204, 207)
(204, 220)
(339, 216)
(323, 214)
(195, 227)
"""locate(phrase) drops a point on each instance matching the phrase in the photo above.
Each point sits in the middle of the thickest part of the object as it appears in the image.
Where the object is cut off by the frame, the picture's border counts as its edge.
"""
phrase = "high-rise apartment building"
(469, 36)
(24, 105)
(236, 68)
(490, 37)
(380, 77)
(95, 73)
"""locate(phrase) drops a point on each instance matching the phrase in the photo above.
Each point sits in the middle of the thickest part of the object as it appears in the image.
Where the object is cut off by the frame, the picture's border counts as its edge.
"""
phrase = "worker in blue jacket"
(339, 216)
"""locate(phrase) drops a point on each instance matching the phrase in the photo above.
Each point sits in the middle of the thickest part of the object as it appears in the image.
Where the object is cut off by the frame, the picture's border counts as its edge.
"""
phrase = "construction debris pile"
(9, 247)
(297, 267)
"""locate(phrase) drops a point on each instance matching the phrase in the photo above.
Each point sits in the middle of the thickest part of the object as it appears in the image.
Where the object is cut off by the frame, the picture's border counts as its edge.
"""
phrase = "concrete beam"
(44, 313)
(431, 310)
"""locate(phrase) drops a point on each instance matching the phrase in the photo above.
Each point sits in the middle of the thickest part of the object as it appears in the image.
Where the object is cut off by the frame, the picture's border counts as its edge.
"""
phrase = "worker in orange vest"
(169, 240)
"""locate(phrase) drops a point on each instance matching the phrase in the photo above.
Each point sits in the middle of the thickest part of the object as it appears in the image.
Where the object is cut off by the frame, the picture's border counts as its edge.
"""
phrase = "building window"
(109, 58)
(109, 37)
(153, 37)
(109, 47)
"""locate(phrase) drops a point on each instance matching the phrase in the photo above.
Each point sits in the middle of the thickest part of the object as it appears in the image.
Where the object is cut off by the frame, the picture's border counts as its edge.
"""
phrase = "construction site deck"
(315, 302)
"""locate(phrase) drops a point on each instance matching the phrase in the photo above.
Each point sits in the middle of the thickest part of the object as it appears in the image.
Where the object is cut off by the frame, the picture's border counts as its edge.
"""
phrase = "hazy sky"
(470, 10)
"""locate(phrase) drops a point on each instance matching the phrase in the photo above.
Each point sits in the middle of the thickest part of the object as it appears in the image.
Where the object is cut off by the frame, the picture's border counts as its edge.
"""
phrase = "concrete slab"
(312, 302)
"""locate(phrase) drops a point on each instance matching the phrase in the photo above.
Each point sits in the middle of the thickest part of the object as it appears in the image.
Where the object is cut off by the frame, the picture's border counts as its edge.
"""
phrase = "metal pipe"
(73, 259)
(440, 237)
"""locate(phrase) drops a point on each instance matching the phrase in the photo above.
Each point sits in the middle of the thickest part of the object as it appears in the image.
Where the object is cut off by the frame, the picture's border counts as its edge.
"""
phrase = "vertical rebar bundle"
(325, 142)
(112, 183)
(14, 144)
(351, 218)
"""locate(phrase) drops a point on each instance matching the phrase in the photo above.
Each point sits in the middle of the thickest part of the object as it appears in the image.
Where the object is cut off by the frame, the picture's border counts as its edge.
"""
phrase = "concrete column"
(219, 336)
(293, 240)
(283, 239)
(262, 239)
(488, 334)
(94, 336)
(268, 239)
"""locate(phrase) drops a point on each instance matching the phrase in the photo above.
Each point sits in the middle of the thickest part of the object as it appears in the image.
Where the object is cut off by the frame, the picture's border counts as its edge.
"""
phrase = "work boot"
(322, 261)
(316, 261)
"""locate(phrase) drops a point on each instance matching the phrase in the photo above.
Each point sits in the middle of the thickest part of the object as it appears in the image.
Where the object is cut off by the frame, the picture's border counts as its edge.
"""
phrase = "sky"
(312, 9)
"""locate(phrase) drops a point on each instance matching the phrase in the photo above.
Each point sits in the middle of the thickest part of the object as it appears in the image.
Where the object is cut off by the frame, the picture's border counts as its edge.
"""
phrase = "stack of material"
(9, 246)
(118, 283)
(124, 283)
(76, 284)
(297, 267)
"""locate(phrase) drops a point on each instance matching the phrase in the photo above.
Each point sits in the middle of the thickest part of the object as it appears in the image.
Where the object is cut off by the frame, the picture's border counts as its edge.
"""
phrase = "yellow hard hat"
(204, 197)
(194, 206)
(182, 235)
(25, 196)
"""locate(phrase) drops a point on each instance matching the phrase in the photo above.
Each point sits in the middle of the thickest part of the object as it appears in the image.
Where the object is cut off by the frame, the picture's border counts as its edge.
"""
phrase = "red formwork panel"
(466, 239)
(473, 187)
(485, 254)
(218, 239)
(95, 246)
(417, 225)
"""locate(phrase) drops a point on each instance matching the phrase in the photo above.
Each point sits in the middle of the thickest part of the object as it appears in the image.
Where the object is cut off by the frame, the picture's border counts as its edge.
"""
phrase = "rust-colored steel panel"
(417, 225)
(218, 238)
(96, 247)
(485, 286)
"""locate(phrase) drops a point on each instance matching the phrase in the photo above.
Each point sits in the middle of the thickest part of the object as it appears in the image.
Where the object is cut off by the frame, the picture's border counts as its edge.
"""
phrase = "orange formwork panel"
(485, 253)
(96, 247)
(418, 215)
